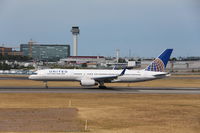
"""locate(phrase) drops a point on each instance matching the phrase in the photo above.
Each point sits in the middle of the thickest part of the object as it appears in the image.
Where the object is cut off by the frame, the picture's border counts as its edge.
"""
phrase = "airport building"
(92, 61)
(4, 51)
(45, 52)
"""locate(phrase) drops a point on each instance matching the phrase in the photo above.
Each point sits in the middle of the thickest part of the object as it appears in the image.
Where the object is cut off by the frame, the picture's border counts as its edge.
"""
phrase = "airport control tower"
(75, 32)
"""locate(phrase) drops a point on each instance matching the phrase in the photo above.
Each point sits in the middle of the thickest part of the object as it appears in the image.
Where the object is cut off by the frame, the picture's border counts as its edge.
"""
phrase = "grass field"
(120, 113)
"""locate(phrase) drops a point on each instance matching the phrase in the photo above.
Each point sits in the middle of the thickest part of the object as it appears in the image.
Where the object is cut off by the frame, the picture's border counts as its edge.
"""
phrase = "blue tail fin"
(160, 63)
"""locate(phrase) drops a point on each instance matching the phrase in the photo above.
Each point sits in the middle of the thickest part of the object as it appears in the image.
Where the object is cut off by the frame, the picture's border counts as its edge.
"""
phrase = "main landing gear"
(101, 85)
(46, 84)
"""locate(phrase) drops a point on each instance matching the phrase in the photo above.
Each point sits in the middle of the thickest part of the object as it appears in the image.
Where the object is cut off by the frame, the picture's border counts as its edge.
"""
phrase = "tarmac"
(26, 78)
(128, 90)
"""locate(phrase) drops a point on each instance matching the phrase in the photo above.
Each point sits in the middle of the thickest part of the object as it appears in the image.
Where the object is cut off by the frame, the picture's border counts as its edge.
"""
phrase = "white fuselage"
(80, 74)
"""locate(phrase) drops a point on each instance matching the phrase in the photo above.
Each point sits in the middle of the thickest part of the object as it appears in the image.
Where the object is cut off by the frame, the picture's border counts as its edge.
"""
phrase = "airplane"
(94, 77)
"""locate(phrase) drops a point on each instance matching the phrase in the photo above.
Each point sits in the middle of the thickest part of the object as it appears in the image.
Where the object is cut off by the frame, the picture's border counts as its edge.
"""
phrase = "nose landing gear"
(46, 84)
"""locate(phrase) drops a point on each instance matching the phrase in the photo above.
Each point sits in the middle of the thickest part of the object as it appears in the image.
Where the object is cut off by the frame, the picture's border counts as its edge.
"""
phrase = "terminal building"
(91, 61)
(45, 52)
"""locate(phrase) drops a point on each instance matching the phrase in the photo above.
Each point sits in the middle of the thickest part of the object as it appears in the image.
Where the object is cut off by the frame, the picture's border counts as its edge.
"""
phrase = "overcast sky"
(144, 27)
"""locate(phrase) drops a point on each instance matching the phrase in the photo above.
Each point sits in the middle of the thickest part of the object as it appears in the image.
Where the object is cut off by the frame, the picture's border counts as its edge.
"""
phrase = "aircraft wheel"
(102, 87)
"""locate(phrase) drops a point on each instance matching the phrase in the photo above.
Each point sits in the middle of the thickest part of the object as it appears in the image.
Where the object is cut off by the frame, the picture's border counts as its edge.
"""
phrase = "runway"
(26, 78)
(13, 78)
(128, 90)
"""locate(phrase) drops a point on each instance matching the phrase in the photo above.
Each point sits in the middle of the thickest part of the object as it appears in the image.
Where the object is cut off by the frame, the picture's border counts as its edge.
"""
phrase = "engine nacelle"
(88, 82)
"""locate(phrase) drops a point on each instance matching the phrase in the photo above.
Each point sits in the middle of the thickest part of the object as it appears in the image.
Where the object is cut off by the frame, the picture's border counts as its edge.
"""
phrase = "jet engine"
(88, 82)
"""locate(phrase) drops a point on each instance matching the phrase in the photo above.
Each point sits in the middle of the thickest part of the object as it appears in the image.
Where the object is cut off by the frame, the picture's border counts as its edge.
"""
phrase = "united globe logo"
(157, 65)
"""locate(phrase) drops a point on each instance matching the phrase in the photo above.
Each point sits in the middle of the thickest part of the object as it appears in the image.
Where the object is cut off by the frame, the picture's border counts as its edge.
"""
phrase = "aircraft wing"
(109, 78)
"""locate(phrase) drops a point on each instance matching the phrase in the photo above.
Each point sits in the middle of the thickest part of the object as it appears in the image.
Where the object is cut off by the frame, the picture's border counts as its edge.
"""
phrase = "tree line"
(15, 58)
(4, 66)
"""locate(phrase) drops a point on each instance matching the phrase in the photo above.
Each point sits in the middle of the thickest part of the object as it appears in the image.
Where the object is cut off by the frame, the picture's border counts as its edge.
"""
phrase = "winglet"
(123, 72)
